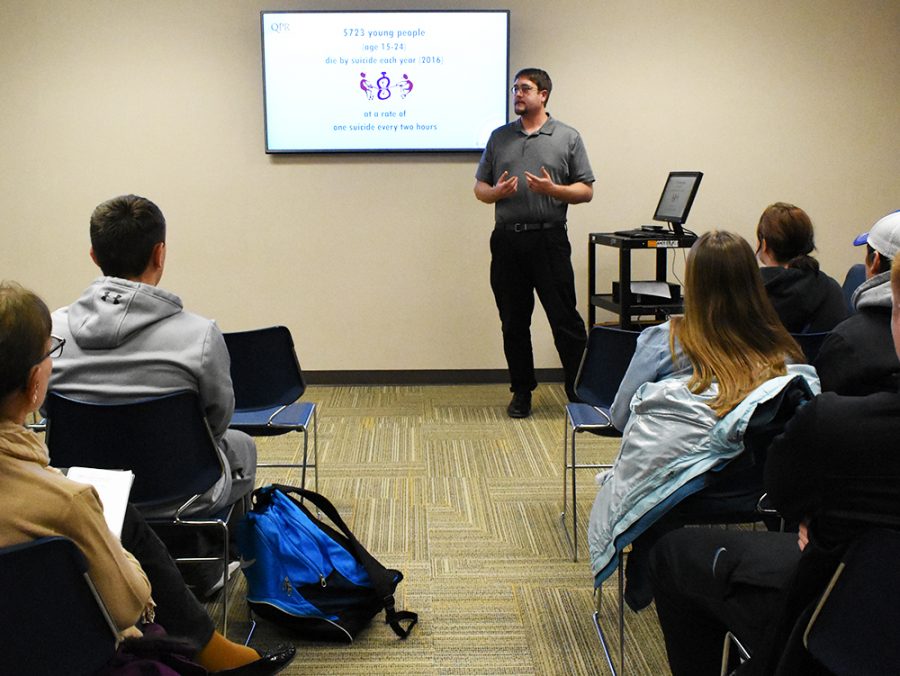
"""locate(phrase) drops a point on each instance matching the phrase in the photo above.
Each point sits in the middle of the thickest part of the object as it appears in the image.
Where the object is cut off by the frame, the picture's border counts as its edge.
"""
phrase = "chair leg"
(574, 504)
(316, 448)
(305, 458)
(225, 557)
(315, 462)
(569, 466)
(252, 624)
(604, 642)
(621, 614)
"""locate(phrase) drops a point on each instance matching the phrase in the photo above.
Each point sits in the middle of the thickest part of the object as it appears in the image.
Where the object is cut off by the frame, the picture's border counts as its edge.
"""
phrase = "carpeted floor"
(438, 482)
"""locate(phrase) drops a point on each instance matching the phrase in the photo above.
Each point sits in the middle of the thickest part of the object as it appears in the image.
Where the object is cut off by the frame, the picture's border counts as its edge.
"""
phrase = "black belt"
(525, 227)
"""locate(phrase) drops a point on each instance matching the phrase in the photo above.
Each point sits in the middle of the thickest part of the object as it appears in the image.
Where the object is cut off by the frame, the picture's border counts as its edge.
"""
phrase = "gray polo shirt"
(556, 146)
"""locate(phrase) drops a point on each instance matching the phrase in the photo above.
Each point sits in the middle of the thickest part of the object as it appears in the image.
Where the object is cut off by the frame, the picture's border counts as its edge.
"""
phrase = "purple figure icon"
(405, 86)
(367, 87)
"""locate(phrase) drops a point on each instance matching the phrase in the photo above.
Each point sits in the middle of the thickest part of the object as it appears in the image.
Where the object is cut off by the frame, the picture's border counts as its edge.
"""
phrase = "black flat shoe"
(269, 663)
(520, 406)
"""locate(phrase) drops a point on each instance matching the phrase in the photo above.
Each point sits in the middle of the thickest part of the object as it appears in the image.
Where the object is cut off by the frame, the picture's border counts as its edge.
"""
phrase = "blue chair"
(856, 275)
(267, 384)
(53, 621)
(855, 628)
(607, 355)
(165, 442)
(852, 626)
(810, 343)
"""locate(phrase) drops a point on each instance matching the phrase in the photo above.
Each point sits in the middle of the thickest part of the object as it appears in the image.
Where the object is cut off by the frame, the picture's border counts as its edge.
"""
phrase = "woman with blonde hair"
(727, 354)
(730, 332)
(733, 334)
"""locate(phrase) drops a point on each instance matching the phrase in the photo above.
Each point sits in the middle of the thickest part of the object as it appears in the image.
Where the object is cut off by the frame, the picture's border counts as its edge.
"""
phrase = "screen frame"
(676, 222)
(368, 151)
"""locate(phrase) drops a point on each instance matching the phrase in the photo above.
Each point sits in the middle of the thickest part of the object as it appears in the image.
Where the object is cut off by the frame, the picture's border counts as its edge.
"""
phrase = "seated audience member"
(805, 298)
(657, 356)
(733, 342)
(835, 471)
(858, 357)
(38, 501)
(128, 339)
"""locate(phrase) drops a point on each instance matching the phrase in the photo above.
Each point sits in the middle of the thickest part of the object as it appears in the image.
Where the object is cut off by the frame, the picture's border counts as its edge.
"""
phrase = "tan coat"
(38, 501)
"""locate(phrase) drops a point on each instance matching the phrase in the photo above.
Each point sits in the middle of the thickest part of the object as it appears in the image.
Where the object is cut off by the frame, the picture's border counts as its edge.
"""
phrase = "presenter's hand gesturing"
(506, 186)
(543, 184)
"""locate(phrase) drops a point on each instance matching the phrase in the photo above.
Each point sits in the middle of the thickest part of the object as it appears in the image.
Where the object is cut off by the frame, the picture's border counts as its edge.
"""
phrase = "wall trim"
(424, 377)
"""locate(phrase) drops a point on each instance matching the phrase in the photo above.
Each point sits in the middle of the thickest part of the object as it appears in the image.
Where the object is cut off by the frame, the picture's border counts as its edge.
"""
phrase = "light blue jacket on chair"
(671, 438)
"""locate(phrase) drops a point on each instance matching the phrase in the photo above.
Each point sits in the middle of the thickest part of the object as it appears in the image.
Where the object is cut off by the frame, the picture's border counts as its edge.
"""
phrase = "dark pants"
(707, 581)
(177, 610)
(522, 263)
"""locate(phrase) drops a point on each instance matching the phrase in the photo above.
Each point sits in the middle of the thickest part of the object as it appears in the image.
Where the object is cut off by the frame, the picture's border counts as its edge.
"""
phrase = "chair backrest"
(264, 368)
(856, 275)
(165, 441)
(855, 628)
(733, 491)
(607, 355)
(53, 621)
(810, 343)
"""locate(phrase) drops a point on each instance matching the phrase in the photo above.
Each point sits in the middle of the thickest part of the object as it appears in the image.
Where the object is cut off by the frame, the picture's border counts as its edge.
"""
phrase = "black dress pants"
(177, 610)
(541, 261)
(707, 581)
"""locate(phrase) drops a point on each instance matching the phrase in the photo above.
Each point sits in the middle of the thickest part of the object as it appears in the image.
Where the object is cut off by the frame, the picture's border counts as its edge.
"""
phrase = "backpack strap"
(382, 578)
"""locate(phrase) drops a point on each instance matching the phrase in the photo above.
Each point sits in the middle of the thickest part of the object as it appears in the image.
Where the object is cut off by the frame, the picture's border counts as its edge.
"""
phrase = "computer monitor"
(677, 198)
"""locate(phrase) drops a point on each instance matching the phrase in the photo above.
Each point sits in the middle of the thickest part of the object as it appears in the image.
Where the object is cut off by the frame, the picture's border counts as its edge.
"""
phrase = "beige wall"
(381, 262)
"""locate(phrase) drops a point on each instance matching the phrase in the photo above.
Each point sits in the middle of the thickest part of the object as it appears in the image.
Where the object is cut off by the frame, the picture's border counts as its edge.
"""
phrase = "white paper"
(113, 486)
(658, 289)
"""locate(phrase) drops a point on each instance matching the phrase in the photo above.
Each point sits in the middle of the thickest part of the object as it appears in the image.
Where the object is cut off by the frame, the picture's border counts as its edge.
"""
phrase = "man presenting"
(531, 170)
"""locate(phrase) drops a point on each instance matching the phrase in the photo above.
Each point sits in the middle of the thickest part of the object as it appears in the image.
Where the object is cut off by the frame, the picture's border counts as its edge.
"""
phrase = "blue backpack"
(305, 575)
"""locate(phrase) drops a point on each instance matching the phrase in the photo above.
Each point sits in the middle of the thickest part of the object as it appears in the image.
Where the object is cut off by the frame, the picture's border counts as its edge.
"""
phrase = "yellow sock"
(220, 653)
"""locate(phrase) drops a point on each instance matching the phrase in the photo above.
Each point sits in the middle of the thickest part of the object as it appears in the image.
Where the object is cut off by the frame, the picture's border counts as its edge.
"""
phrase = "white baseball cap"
(884, 236)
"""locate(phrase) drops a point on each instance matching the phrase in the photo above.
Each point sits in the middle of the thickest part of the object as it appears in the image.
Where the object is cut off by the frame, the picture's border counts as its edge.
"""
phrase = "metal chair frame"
(596, 387)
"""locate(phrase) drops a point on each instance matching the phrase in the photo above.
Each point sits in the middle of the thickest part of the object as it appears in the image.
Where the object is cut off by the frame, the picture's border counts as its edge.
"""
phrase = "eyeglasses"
(56, 348)
(524, 89)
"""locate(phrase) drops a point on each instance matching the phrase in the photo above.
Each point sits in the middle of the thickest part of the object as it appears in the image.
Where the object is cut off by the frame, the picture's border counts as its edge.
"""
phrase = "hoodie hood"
(802, 287)
(112, 310)
(804, 298)
(874, 292)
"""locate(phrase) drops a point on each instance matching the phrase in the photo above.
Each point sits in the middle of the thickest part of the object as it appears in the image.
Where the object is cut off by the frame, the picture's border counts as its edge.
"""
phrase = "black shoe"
(520, 406)
(269, 663)
(637, 599)
(638, 590)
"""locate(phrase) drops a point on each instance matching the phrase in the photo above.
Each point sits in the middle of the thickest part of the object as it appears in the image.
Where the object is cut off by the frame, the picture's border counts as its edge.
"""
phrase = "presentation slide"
(384, 81)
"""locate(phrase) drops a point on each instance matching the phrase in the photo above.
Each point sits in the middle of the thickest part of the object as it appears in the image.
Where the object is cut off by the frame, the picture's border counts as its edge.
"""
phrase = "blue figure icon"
(384, 85)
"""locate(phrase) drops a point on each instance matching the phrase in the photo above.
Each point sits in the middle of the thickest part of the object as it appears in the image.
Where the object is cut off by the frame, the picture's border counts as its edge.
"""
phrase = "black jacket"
(837, 464)
(858, 358)
(806, 301)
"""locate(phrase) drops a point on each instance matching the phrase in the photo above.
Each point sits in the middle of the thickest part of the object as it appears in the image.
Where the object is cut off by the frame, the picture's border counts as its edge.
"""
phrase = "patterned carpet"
(438, 482)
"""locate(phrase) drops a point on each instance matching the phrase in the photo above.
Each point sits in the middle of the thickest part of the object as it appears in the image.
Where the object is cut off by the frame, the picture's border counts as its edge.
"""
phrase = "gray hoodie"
(126, 341)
